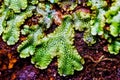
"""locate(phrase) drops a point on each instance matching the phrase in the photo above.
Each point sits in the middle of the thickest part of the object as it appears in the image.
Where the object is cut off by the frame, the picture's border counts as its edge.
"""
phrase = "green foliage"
(33, 2)
(113, 18)
(4, 13)
(54, 1)
(89, 38)
(115, 24)
(113, 9)
(114, 47)
(27, 30)
(47, 14)
(16, 5)
(28, 46)
(59, 43)
(12, 32)
(43, 48)
(99, 17)
(98, 23)
(10, 22)
(96, 4)
(68, 5)
(81, 20)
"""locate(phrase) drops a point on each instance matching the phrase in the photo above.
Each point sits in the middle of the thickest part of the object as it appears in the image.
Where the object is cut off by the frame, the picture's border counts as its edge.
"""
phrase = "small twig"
(109, 59)
(95, 61)
(102, 58)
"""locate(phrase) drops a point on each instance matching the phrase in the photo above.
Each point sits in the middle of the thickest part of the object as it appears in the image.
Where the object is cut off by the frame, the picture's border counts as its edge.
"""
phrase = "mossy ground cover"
(97, 21)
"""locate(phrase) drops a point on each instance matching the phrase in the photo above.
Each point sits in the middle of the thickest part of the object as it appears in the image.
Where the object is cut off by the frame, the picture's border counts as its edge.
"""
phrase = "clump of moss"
(43, 48)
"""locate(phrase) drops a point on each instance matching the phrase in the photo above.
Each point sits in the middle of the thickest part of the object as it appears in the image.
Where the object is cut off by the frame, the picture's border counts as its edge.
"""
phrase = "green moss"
(112, 18)
(45, 10)
(114, 47)
(89, 38)
(59, 43)
(98, 24)
(81, 20)
(16, 5)
(113, 9)
(12, 31)
(33, 2)
(43, 48)
(96, 4)
(115, 24)
(28, 46)
(4, 13)
(68, 5)
(54, 1)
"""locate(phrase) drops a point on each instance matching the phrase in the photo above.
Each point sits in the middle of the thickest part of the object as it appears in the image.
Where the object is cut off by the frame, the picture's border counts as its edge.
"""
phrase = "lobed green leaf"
(60, 44)
(16, 5)
(114, 47)
(99, 22)
(28, 46)
(12, 32)
(96, 4)
(4, 13)
(81, 20)
(115, 24)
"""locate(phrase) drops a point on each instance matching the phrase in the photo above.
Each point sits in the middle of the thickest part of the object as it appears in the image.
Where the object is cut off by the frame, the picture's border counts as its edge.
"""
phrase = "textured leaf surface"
(113, 18)
(12, 32)
(99, 23)
(33, 2)
(89, 38)
(54, 1)
(3, 16)
(101, 20)
(68, 5)
(27, 47)
(114, 47)
(113, 9)
(81, 20)
(47, 14)
(115, 25)
(59, 44)
(16, 5)
(97, 3)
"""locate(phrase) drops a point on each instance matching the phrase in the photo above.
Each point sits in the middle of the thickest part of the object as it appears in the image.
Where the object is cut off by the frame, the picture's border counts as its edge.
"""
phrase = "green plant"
(113, 19)
(16, 5)
(43, 48)
(12, 31)
(59, 43)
